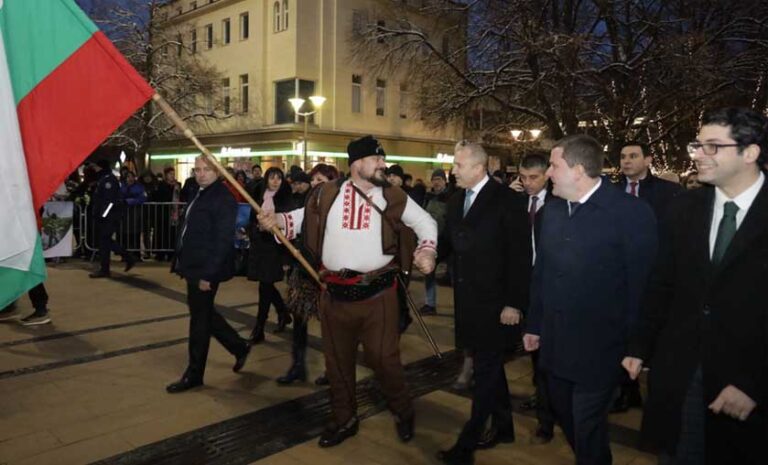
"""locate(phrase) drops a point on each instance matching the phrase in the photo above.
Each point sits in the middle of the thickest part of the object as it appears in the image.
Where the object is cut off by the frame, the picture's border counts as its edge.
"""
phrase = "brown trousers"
(374, 322)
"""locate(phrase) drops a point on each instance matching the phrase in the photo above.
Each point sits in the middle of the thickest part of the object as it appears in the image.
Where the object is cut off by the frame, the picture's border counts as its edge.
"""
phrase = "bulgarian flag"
(63, 89)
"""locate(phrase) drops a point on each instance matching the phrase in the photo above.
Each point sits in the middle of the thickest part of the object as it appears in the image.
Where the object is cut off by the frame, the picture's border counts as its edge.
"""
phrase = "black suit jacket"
(207, 250)
(698, 313)
(656, 191)
(590, 274)
(490, 253)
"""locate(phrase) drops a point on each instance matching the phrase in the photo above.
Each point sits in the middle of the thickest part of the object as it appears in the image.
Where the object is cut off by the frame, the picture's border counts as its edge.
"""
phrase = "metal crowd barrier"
(151, 227)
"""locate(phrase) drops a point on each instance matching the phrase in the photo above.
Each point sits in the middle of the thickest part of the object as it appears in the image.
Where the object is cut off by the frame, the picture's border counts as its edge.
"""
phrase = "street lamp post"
(297, 103)
(525, 136)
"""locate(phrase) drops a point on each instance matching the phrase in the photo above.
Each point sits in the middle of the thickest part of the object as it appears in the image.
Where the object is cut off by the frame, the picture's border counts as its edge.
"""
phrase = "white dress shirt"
(586, 196)
(476, 189)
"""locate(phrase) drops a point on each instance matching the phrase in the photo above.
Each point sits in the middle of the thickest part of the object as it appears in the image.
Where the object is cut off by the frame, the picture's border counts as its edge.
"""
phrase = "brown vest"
(396, 238)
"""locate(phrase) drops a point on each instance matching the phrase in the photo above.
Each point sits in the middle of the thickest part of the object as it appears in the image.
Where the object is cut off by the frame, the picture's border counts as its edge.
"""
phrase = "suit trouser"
(543, 408)
(374, 323)
(106, 229)
(583, 415)
(490, 398)
(205, 322)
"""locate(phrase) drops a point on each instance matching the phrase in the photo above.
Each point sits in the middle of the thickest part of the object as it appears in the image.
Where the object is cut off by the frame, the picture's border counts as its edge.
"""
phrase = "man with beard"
(353, 229)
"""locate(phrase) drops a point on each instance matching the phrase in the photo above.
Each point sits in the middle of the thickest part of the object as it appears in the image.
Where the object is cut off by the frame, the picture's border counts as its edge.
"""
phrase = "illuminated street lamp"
(297, 103)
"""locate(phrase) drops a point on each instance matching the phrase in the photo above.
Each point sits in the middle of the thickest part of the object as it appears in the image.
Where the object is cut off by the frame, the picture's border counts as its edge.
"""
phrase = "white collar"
(479, 186)
(743, 200)
(586, 196)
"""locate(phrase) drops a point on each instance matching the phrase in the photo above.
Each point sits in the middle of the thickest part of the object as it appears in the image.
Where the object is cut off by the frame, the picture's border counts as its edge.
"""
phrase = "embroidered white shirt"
(353, 230)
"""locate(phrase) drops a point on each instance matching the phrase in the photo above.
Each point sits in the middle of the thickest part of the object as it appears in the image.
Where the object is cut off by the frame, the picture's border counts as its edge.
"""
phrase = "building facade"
(271, 50)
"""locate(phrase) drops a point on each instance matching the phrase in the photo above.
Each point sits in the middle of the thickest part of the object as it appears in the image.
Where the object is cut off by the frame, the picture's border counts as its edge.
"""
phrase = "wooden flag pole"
(171, 113)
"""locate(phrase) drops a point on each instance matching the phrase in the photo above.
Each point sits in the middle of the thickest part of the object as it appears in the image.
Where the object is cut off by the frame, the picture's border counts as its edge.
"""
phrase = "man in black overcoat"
(205, 257)
(704, 331)
(488, 239)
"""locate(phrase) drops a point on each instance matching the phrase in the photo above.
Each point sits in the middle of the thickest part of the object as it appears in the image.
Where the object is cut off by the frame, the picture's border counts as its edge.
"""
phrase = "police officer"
(107, 211)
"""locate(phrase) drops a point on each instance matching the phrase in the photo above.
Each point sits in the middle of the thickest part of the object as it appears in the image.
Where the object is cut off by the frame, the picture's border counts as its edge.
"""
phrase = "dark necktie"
(633, 188)
(572, 207)
(532, 210)
(725, 231)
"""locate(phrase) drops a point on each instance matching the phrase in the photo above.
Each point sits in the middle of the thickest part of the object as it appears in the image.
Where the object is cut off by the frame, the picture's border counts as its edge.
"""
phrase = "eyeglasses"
(708, 148)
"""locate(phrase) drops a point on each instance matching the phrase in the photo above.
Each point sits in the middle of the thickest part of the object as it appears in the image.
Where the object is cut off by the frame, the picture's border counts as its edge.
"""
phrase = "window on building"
(179, 11)
(244, 93)
(357, 93)
(193, 5)
(225, 99)
(276, 17)
(381, 96)
(244, 26)
(285, 14)
(208, 36)
(446, 45)
(404, 98)
(179, 44)
(193, 39)
(287, 89)
(226, 32)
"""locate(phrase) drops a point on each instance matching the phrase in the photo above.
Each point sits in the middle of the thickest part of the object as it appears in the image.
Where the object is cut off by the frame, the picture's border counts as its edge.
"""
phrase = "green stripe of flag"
(17, 282)
(32, 55)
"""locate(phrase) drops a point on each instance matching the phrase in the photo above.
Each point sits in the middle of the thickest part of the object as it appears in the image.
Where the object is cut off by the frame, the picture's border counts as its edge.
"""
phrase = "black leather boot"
(298, 370)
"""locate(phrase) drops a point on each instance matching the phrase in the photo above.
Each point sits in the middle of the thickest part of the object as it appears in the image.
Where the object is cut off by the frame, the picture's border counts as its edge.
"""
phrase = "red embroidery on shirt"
(355, 217)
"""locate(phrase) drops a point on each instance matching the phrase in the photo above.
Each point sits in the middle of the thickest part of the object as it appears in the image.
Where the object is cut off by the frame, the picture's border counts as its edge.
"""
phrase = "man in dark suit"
(489, 243)
(205, 257)
(593, 258)
(533, 182)
(704, 330)
(637, 180)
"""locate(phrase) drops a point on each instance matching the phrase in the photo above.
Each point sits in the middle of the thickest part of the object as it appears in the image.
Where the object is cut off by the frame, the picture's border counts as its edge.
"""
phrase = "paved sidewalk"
(90, 386)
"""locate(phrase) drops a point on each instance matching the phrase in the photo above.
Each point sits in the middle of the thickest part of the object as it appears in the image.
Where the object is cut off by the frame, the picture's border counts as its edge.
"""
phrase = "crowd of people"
(597, 277)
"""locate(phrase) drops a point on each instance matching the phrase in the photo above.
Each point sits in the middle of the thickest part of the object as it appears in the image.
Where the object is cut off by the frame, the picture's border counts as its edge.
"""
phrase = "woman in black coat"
(266, 256)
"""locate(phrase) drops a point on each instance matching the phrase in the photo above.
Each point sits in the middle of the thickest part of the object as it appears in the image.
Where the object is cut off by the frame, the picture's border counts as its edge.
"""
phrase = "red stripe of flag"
(74, 109)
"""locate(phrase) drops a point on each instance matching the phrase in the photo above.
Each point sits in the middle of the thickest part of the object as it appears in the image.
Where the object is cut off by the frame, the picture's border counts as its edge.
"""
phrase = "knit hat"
(364, 147)
(397, 170)
(438, 173)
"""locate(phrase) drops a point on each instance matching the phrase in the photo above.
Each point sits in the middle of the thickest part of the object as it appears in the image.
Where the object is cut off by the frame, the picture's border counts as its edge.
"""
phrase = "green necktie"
(725, 231)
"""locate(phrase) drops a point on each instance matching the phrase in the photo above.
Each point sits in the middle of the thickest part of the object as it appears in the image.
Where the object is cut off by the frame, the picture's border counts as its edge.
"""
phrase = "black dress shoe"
(456, 456)
(322, 380)
(240, 360)
(130, 262)
(542, 435)
(184, 384)
(99, 274)
(494, 436)
(405, 428)
(334, 435)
